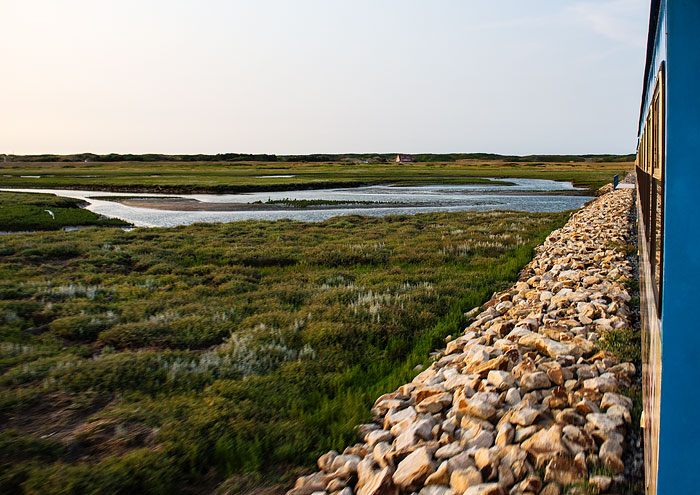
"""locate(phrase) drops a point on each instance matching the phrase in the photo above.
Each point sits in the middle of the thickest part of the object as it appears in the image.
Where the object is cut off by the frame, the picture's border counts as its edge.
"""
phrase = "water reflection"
(418, 199)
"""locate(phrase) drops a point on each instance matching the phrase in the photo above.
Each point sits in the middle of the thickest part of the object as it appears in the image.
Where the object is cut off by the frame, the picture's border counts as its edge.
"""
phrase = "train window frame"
(658, 188)
(651, 165)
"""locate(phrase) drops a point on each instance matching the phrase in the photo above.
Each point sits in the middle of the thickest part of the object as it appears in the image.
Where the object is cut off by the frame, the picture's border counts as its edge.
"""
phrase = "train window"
(658, 240)
(650, 184)
(658, 189)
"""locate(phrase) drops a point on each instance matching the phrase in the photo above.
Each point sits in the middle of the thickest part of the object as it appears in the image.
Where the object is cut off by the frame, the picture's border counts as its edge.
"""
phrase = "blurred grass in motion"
(166, 360)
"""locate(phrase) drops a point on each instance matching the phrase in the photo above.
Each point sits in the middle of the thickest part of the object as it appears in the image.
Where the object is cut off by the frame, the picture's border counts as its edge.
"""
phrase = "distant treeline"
(371, 157)
(452, 157)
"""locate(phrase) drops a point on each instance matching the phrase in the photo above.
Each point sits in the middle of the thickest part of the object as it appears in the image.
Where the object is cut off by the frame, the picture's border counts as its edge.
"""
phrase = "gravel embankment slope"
(525, 401)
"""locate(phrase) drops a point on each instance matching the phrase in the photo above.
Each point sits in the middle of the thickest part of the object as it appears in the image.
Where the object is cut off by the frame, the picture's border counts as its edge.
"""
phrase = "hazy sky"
(320, 76)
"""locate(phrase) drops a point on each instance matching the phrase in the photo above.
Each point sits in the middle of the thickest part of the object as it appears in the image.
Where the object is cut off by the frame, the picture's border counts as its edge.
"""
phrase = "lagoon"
(533, 195)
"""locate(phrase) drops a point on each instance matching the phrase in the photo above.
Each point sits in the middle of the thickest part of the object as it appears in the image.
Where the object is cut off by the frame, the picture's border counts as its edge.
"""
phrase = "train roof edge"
(651, 42)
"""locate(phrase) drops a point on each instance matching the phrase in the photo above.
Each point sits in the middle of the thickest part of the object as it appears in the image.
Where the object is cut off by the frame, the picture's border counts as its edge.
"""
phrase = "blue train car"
(668, 187)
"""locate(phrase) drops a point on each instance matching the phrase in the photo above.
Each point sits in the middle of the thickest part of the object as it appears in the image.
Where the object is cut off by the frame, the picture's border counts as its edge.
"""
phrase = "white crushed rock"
(522, 392)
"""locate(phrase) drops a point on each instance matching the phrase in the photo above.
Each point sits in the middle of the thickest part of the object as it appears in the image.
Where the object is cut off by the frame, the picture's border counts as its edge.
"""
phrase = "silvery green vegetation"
(159, 360)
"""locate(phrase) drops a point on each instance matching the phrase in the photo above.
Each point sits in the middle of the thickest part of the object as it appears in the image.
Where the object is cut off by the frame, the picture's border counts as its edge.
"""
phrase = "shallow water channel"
(523, 196)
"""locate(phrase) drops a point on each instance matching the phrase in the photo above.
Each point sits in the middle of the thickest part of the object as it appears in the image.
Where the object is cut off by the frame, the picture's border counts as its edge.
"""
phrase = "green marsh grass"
(238, 177)
(160, 359)
(27, 212)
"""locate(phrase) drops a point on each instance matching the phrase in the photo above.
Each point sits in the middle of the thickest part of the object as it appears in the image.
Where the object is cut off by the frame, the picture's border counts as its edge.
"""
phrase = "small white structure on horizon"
(404, 158)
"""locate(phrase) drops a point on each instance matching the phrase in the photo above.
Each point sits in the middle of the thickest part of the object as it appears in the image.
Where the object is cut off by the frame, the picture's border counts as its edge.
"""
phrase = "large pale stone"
(534, 381)
(513, 396)
(502, 380)
(585, 407)
(558, 399)
(461, 479)
(383, 404)
(602, 482)
(505, 434)
(423, 393)
(577, 439)
(544, 444)
(326, 461)
(486, 461)
(460, 461)
(556, 374)
(336, 485)
(363, 429)
(420, 430)
(586, 371)
(384, 455)
(380, 484)
(365, 471)
(524, 416)
(482, 439)
(591, 280)
(551, 489)
(501, 328)
(504, 306)
(605, 422)
(408, 414)
(455, 345)
(621, 411)
(517, 333)
(623, 370)
(449, 450)
(604, 383)
(469, 422)
(581, 346)
(441, 476)
(563, 470)
(435, 403)
(613, 399)
(531, 484)
(499, 363)
(450, 424)
(485, 489)
(478, 407)
(523, 433)
(468, 382)
(609, 448)
(614, 463)
(412, 472)
(345, 464)
(524, 367)
(474, 356)
(376, 436)
(306, 485)
(506, 478)
(514, 458)
(436, 490)
(601, 436)
(547, 346)
(569, 416)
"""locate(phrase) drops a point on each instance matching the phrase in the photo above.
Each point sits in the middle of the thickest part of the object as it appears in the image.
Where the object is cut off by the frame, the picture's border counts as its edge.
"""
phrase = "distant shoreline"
(257, 188)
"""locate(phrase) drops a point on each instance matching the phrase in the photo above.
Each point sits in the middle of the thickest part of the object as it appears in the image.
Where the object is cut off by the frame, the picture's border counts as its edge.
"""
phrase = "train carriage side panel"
(679, 429)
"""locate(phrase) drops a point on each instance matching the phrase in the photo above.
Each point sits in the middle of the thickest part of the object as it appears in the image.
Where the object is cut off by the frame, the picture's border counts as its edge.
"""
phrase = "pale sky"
(321, 76)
